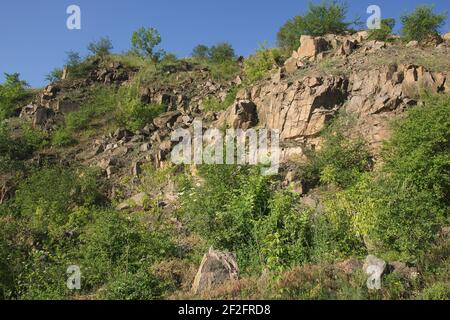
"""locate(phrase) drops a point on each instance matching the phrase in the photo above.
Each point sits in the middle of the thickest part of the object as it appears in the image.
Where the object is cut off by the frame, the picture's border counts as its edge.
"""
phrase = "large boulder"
(215, 269)
(446, 37)
(310, 47)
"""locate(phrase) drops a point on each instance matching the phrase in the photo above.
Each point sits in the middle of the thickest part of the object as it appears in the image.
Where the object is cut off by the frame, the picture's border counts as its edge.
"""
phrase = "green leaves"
(144, 42)
(422, 23)
(327, 17)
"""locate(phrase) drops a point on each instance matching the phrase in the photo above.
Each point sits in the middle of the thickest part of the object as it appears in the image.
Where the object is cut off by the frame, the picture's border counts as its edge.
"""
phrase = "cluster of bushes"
(58, 219)
(330, 18)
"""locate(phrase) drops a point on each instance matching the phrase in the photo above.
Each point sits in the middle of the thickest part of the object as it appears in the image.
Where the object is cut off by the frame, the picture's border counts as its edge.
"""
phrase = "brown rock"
(310, 47)
(166, 119)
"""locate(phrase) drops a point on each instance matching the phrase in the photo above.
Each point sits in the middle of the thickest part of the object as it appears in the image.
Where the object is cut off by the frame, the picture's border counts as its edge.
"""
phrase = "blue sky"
(34, 38)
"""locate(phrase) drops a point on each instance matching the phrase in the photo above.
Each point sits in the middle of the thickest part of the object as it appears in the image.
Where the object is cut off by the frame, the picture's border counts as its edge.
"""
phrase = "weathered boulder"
(446, 36)
(310, 47)
(215, 269)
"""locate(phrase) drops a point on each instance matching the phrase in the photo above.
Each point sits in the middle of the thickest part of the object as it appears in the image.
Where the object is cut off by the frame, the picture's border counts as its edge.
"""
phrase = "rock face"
(299, 109)
(215, 269)
(242, 114)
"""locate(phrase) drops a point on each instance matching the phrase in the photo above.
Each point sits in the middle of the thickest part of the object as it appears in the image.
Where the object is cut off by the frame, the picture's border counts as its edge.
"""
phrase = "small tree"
(382, 34)
(327, 17)
(144, 42)
(422, 23)
(222, 52)
(101, 47)
(201, 52)
(73, 59)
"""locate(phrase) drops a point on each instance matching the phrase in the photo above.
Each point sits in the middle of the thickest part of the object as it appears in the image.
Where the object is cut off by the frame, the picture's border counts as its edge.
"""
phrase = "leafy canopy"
(422, 23)
(323, 18)
(144, 42)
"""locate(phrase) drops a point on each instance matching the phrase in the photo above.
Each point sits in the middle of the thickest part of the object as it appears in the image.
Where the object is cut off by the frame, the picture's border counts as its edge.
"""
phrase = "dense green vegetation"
(422, 23)
(12, 93)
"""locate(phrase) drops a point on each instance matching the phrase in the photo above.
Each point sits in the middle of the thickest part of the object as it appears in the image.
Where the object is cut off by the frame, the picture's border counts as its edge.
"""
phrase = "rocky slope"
(374, 81)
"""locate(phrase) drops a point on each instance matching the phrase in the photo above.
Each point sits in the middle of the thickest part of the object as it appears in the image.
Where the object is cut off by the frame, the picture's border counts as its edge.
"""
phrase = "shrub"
(214, 104)
(341, 160)
(12, 92)
(62, 138)
(284, 235)
(223, 208)
(133, 113)
(201, 52)
(422, 23)
(261, 63)
(335, 235)
(327, 17)
(55, 75)
(226, 70)
(382, 34)
(101, 47)
(222, 52)
(144, 42)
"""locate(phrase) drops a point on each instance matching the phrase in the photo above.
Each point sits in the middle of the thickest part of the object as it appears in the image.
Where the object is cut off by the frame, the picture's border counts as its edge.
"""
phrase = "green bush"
(340, 160)
(284, 235)
(323, 18)
(62, 138)
(422, 23)
(382, 34)
(201, 52)
(334, 232)
(133, 113)
(101, 48)
(222, 52)
(12, 92)
(214, 104)
(261, 63)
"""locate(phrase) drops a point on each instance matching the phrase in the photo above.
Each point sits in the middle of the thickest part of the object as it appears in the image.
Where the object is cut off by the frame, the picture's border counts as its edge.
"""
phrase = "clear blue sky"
(34, 38)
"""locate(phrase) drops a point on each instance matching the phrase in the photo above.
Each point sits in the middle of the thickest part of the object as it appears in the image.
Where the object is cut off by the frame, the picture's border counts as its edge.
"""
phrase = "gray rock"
(215, 269)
